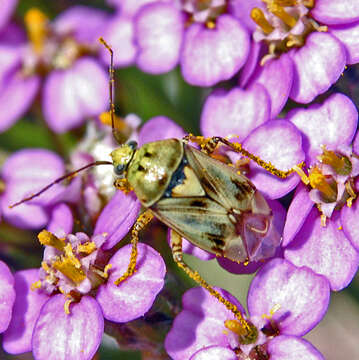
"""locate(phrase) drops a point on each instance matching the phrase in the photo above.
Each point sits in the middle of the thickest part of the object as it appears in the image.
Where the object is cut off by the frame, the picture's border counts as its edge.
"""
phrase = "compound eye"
(132, 144)
(119, 169)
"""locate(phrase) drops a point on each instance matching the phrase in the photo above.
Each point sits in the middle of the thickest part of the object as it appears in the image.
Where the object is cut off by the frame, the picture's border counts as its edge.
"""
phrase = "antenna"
(64, 177)
(111, 89)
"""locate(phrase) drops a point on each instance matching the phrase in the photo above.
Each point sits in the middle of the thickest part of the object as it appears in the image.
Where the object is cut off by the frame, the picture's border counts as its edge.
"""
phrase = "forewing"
(221, 183)
(200, 220)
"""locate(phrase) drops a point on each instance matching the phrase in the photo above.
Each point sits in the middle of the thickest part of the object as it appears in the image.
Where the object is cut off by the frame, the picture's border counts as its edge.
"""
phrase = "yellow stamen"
(35, 285)
(49, 239)
(70, 255)
(67, 306)
(323, 220)
(286, 2)
(45, 266)
(87, 248)
(259, 18)
(245, 336)
(319, 181)
(236, 327)
(308, 3)
(282, 14)
(302, 174)
(36, 25)
(210, 24)
(272, 311)
(351, 192)
(340, 227)
(70, 269)
(340, 164)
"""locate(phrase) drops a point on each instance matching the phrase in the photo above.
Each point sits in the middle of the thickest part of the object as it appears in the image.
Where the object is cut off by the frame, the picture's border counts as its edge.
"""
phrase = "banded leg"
(140, 224)
(208, 145)
(176, 245)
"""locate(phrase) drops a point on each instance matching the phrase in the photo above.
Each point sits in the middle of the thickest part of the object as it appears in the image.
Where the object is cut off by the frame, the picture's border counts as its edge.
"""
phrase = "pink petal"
(276, 76)
(332, 124)
(349, 220)
(292, 348)
(349, 36)
(72, 95)
(62, 221)
(135, 296)
(16, 98)
(273, 286)
(281, 144)
(237, 112)
(77, 335)
(317, 65)
(298, 211)
(158, 28)
(212, 55)
(28, 303)
(214, 353)
(159, 128)
(326, 250)
(335, 12)
(120, 35)
(117, 218)
(7, 296)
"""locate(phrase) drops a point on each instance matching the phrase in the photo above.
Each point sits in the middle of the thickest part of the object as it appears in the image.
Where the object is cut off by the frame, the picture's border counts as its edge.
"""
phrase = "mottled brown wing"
(203, 222)
(220, 182)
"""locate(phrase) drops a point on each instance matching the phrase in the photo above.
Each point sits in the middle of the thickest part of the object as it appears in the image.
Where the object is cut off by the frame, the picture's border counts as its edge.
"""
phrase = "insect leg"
(176, 245)
(208, 145)
(140, 224)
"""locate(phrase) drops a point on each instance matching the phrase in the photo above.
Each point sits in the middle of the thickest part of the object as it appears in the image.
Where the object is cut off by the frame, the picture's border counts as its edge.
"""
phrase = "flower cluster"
(270, 188)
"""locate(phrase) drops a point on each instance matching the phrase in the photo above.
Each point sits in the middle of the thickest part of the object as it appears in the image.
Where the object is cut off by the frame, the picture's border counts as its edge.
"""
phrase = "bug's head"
(122, 156)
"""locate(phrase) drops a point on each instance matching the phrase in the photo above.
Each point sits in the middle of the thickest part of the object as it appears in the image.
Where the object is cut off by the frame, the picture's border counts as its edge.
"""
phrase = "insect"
(198, 197)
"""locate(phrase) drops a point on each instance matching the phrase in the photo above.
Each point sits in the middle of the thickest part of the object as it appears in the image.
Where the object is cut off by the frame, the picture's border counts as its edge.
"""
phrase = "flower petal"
(243, 111)
(7, 9)
(212, 55)
(86, 24)
(332, 124)
(200, 324)
(159, 128)
(292, 348)
(276, 76)
(326, 250)
(62, 221)
(302, 296)
(77, 335)
(349, 220)
(28, 303)
(71, 95)
(158, 29)
(7, 296)
(16, 98)
(135, 296)
(214, 353)
(335, 12)
(242, 11)
(317, 65)
(284, 150)
(120, 35)
(348, 34)
(298, 211)
(117, 218)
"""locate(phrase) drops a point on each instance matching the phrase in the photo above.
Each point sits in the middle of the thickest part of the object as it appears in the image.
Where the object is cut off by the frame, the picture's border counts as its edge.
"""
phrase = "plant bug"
(197, 196)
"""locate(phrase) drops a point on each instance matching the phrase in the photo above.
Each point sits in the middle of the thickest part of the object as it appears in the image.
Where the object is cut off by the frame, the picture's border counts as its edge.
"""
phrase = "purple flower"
(26, 172)
(7, 8)
(305, 47)
(205, 327)
(205, 38)
(62, 316)
(247, 115)
(7, 296)
(326, 240)
(60, 53)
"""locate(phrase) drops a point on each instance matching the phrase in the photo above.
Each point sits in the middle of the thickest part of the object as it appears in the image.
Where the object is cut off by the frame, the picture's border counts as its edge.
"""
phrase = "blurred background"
(147, 96)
